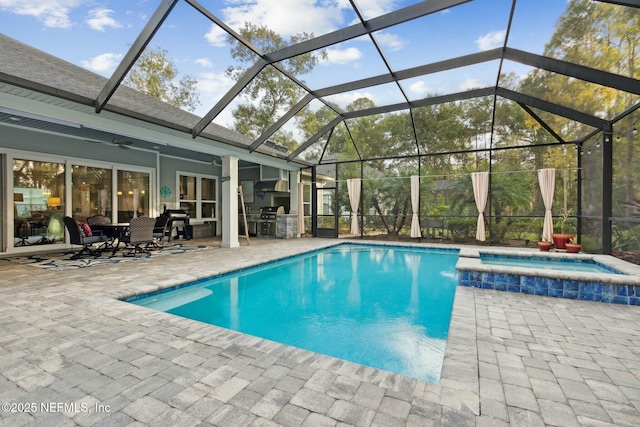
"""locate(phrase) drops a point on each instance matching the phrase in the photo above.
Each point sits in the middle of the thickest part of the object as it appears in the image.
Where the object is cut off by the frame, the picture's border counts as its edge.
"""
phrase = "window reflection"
(38, 202)
(91, 192)
(133, 195)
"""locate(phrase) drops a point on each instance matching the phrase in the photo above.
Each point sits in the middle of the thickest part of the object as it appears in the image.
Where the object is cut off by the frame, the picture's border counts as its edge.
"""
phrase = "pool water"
(546, 263)
(386, 307)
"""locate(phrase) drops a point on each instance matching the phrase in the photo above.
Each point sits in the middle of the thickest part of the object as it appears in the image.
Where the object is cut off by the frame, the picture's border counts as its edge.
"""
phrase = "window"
(38, 202)
(198, 196)
(306, 199)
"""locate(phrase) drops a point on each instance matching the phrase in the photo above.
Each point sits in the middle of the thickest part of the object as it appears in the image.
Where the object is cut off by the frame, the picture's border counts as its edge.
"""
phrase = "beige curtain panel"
(415, 201)
(136, 199)
(547, 181)
(480, 181)
(353, 187)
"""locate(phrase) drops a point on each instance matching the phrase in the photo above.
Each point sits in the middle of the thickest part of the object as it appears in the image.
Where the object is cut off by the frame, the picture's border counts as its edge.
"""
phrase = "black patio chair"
(160, 231)
(77, 236)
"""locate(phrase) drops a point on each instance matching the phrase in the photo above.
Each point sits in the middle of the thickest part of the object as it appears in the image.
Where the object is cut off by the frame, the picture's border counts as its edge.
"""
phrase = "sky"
(96, 34)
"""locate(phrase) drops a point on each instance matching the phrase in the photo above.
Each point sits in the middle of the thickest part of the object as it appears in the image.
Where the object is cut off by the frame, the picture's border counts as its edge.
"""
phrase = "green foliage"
(270, 93)
(155, 75)
(462, 229)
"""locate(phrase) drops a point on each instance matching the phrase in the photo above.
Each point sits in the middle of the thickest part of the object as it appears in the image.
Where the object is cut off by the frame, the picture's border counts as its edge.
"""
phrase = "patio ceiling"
(393, 72)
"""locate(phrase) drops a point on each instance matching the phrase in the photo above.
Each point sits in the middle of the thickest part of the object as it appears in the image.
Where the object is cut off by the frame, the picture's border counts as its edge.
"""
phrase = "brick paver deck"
(71, 353)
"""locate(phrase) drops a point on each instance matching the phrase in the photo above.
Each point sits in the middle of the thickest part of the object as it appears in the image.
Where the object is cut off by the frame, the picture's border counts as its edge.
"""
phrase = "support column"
(314, 202)
(230, 202)
(607, 187)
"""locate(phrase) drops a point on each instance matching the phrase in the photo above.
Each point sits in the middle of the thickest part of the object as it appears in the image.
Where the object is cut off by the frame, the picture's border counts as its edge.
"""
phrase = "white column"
(230, 202)
(293, 195)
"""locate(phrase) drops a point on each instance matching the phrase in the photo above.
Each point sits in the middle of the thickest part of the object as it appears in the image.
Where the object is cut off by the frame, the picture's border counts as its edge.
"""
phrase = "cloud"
(285, 17)
(392, 41)
(420, 88)
(337, 56)
(204, 62)
(216, 36)
(106, 62)
(214, 84)
(212, 87)
(99, 19)
(471, 84)
(374, 8)
(53, 13)
(491, 40)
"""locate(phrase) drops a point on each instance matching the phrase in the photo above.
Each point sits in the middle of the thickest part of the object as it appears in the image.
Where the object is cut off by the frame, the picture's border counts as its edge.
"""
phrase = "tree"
(155, 75)
(270, 93)
(605, 37)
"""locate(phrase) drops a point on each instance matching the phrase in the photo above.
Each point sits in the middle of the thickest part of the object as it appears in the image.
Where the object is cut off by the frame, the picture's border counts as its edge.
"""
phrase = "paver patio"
(82, 357)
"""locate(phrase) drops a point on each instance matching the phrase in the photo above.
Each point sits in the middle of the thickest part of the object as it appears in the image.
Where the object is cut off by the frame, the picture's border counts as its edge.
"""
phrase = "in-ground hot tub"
(575, 276)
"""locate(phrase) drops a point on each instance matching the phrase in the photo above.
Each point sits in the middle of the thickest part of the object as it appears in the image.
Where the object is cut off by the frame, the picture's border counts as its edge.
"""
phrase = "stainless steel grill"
(268, 215)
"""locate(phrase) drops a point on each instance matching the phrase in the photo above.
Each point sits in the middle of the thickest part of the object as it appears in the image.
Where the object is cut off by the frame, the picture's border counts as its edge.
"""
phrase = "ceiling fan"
(122, 144)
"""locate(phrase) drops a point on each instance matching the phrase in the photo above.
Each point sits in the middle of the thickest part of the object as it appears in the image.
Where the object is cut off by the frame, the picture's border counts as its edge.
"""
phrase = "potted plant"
(573, 247)
(560, 239)
(544, 246)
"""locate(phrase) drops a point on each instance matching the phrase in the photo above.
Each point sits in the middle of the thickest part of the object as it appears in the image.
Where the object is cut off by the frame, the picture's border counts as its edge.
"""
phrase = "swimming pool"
(381, 306)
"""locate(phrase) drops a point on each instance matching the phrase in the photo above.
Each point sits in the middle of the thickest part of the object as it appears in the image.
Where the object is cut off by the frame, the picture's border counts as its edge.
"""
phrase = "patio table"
(115, 231)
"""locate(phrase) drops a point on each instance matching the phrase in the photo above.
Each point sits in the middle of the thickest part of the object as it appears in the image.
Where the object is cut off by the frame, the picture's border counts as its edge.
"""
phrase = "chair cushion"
(85, 230)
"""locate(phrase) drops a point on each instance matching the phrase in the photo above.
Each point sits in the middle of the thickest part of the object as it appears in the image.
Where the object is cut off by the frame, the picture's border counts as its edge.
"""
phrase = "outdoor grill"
(178, 219)
(268, 215)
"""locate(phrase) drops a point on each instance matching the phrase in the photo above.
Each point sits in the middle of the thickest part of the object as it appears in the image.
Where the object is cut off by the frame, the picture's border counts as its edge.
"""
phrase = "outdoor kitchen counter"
(287, 226)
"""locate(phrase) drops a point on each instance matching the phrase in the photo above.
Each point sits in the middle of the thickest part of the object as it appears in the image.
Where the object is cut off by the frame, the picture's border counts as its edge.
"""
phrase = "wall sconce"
(225, 178)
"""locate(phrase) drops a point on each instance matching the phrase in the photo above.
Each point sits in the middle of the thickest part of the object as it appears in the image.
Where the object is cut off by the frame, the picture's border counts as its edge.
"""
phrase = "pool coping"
(469, 260)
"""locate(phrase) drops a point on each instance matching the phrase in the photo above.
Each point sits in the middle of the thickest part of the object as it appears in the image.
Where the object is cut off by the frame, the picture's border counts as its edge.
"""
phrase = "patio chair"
(140, 236)
(78, 236)
(160, 230)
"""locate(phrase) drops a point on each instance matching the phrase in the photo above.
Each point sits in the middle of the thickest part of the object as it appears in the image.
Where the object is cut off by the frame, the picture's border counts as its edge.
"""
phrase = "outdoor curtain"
(103, 201)
(415, 201)
(136, 196)
(300, 208)
(480, 181)
(353, 187)
(547, 181)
